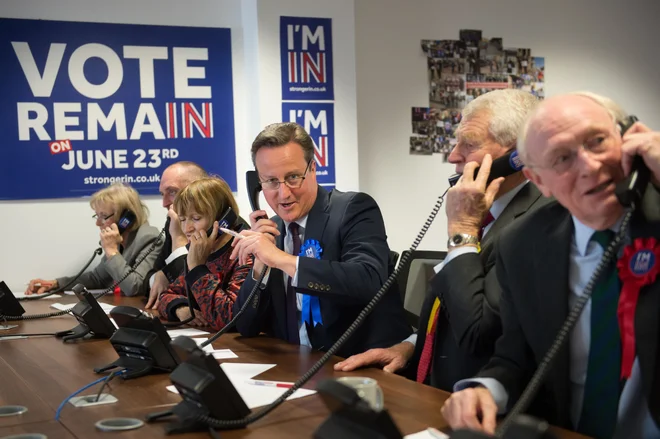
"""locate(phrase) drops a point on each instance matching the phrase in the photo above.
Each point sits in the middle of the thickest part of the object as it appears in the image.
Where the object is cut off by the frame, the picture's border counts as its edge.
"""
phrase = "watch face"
(457, 239)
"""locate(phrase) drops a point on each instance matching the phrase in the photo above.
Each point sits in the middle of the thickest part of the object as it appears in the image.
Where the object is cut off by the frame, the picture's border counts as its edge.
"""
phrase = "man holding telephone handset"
(459, 320)
(606, 382)
(327, 253)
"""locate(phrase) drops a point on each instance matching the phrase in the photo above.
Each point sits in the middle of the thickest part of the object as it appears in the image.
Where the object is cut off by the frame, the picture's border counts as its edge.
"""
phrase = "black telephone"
(9, 305)
(503, 166)
(253, 187)
(142, 344)
(631, 190)
(227, 221)
(93, 321)
(126, 220)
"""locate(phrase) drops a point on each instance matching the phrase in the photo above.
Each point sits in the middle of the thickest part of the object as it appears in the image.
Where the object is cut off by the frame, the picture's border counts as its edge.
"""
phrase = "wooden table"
(40, 372)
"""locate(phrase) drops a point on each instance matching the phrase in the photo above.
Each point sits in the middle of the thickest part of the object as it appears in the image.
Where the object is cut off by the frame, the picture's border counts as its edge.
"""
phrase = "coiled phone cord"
(97, 252)
(151, 249)
(537, 379)
(239, 423)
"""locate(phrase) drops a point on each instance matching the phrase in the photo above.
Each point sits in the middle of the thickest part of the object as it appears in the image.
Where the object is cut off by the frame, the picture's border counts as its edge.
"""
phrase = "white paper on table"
(253, 395)
(22, 295)
(62, 307)
(425, 434)
(188, 332)
(218, 354)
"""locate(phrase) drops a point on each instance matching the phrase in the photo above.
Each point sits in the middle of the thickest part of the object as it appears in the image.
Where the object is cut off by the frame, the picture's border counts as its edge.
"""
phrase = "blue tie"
(603, 384)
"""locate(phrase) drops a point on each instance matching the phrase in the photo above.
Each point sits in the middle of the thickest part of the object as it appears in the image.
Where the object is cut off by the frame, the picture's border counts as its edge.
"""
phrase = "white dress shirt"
(634, 419)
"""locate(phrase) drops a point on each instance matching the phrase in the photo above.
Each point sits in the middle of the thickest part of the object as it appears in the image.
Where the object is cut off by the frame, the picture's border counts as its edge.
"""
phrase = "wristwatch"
(461, 239)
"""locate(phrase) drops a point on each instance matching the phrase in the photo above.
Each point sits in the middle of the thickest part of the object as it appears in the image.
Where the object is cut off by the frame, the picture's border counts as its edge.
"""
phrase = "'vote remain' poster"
(87, 104)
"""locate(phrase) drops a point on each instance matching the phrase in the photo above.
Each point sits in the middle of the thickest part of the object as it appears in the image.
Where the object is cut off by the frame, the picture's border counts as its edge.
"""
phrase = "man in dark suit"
(169, 264)
(605, 381)
(459, 321)
(327, 253)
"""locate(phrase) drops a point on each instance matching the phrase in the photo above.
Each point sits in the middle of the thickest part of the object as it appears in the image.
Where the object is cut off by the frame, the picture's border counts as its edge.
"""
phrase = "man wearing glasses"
(605, 381)
(325, 254)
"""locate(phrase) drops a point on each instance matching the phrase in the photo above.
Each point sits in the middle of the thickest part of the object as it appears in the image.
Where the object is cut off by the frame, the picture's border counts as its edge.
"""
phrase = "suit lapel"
(552, 252)
(318, 218)
(520, 204)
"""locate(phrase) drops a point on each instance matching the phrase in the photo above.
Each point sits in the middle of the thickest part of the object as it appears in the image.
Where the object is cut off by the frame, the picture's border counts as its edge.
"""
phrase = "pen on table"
(231, 232)
(270, 383)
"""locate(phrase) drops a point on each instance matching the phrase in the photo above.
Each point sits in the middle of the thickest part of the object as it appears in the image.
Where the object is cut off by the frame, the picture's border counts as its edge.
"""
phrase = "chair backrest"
(413, 280)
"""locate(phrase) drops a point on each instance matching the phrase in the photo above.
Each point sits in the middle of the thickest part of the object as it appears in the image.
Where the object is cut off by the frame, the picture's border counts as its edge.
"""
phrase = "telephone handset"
(126, 220)
(227, 221)
(631, 190)
(253, 187)
(503, 166)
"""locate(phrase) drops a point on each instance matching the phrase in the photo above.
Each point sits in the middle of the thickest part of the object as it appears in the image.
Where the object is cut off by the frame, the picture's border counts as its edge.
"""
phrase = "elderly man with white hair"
(605, 381)
(460, 321)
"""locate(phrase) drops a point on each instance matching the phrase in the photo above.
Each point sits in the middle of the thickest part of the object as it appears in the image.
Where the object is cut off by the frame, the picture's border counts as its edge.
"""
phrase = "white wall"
(609, 47)
(49, 238)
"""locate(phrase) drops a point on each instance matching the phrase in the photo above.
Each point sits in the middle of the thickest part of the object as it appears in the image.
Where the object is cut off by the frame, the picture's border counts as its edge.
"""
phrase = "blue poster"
(306, 53)
(87, 104)
(318, 119)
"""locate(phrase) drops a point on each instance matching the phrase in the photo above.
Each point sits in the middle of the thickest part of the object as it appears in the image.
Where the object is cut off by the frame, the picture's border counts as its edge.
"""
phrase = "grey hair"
(615, 111)
(508, 110)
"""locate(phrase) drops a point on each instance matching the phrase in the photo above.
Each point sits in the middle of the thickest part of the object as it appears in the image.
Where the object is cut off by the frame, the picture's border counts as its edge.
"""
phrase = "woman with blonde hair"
(120, 250)
(213, 279)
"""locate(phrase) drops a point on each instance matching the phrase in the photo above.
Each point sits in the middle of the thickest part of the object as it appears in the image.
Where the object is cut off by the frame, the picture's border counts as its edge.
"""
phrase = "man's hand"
(178, 237)
(161, 283)
(469, 201)
(464, 408)
(262, 246)
(183, 312)
(259, 222)
(640, 140)
(201, 246)
(40, 286)
(392, 359)
(110, 240)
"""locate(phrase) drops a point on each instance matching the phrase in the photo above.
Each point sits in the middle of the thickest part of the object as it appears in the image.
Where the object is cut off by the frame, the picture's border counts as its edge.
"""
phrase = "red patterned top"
(213, 285)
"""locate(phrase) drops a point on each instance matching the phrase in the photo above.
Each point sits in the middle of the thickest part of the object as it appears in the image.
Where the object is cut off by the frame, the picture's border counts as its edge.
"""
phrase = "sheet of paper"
(253, 395)
(426, 434)
(188, 332)
(218, 354)
(62, 307)
(22, 294)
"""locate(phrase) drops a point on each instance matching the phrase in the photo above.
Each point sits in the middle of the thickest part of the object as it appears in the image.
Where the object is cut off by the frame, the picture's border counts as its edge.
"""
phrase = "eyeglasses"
(103, 217)
(562, 160)
(293, 181)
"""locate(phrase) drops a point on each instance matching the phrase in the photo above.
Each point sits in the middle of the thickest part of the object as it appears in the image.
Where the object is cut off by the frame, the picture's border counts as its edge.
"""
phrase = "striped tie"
(602, 387)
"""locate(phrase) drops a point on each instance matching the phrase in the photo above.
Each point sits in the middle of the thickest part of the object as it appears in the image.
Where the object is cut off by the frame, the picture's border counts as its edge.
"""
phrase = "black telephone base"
(350, 424)
(79, 332)
(135, 368)
(185, 422)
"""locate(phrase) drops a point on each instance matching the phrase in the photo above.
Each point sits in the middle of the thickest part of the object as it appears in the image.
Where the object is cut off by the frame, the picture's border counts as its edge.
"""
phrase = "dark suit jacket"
(469, 323)
(350, 229)
(532, 267)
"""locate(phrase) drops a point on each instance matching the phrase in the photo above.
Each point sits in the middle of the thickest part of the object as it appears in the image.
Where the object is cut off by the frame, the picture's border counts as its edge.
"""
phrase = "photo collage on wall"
(460, 71)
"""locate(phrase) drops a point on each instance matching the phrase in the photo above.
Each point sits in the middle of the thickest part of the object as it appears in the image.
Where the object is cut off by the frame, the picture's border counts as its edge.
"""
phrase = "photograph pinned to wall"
(421, 146)
(511, 60)
(524, 60)
(491, 56)
(471, 37)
